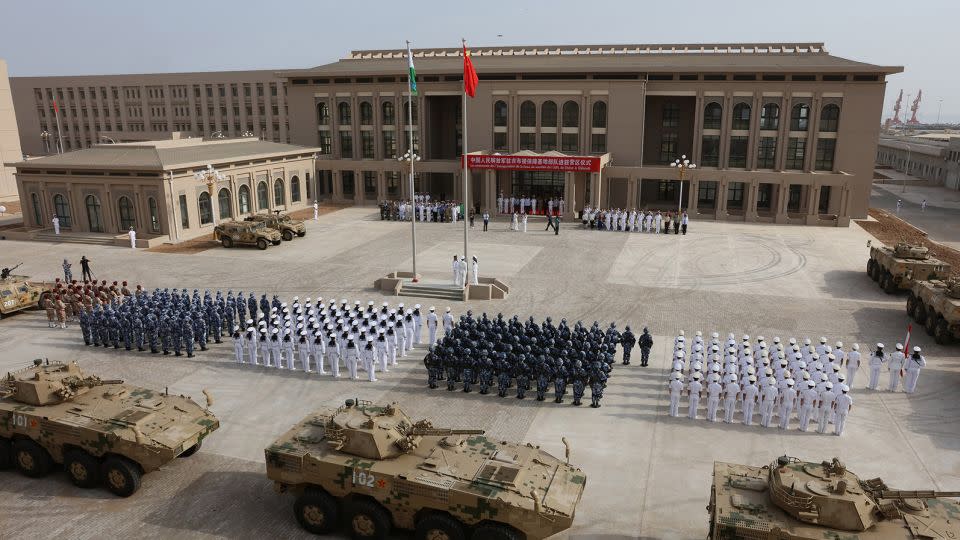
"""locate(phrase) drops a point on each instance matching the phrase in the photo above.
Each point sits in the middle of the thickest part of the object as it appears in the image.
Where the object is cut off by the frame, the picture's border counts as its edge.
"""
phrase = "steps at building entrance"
(431, 290)
(92, 239)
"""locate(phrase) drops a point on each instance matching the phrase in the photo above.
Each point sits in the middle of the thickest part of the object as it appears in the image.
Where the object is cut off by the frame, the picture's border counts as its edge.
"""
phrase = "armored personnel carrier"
(796, 500)
(238, 233)
(100, 430)
(282, 223)
(936, 305)
(17, 293)
(898, 268)
(376, 468)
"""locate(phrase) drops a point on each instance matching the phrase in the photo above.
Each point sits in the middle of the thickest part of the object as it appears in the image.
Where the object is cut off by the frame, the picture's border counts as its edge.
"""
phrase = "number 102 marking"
(363, 478)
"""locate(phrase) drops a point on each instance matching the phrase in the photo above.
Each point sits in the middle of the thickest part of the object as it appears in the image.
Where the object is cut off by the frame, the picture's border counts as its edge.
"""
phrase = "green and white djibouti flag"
(413, 72)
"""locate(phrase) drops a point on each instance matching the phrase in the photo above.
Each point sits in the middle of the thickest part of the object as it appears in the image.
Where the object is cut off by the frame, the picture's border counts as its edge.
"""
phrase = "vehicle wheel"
(316, 511)
(911, 303)
(261, 244)
(890, 285)
(495, 531)
(192, 450)
(367, 519)
(931, 323)
(82, 468)
(920, 312)
(440, 527)
(302, 234)
(227, 242)
(870, 264)
(882, 281)
(31, 459)
(941, 334)
(875, 273)
(287, 235)
(121, 476)
(276, 242)
(6, 455)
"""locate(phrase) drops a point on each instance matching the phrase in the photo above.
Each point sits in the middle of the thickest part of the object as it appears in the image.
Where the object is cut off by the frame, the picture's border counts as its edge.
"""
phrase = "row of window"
(769, 117)
(157, 92)
(125, 212)
(345, 116)
(766, 152)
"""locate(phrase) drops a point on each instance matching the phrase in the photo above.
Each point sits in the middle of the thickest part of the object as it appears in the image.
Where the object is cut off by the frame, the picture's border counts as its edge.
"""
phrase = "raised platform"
(89, 238)
(403, 284)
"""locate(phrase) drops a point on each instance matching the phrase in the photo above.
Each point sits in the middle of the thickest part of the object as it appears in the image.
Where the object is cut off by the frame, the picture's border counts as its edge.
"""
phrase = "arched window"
(600, 114)
(389, 113)
(263, 196)
(406, 113)
(223, 202)
(127, 218)
(244, 199)
(799, 117)
(741, 117)
(829, 118)
(712, 114)
(343, 113)
(500, 114)
(309, 185)
(206, 211)
(294, 189)
(278, 198)
(528, 114)
(323, 114)
(366, 113)
(548, 114)
(770, 116)
(571, 114)
(37, 214)
(62, 209)
(154, 215)
(94, 219)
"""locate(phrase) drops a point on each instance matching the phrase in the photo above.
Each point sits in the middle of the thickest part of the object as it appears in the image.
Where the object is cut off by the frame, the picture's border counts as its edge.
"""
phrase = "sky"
(70, 37)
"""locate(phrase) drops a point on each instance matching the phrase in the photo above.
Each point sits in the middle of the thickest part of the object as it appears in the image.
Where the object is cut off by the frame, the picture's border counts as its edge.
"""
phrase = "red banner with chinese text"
(534, 163)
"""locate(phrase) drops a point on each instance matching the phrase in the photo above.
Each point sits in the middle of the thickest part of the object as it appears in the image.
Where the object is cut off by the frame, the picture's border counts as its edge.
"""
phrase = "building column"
(725, 125)
(697, 150)
(783, 134)
(783, 197)
(358, 187)
(337, 180)
(721, 198)
(569, 195)
(631, 192)
(753, 140)
(750, 204)
(813, 197)
(813, 127)
(692, 204)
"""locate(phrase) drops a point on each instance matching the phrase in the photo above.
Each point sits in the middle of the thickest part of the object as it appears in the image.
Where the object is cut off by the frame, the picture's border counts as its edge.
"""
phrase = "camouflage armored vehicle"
(16, 293)
(796, 500)
(377, 469)
(936, 305)
(238, 233)
(898, 268)
(100, 430)
(283, 223)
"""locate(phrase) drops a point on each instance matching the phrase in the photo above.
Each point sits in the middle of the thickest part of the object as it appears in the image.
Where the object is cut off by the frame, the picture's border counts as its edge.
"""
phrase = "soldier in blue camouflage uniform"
(188, 327)
(627, 341)
(199, 330)
(85, 327)
(579, 381)
(598, 380)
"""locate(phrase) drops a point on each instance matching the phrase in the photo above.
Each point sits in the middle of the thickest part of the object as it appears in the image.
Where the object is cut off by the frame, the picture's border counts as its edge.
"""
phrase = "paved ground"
(648, 474)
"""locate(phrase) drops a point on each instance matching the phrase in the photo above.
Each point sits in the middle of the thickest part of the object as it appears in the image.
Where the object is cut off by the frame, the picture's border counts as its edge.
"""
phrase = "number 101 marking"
(363, 478)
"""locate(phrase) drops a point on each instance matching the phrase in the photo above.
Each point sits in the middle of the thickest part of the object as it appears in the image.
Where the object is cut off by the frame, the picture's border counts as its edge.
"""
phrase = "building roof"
(744, 57)
(164, 155)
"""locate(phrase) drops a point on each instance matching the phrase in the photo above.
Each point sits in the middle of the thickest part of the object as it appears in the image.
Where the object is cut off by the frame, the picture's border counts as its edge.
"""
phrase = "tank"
(898, 268)
(797, 500)
(283, 223)
(18, 292)
(377, 469)
(936, 305)
(102, 431)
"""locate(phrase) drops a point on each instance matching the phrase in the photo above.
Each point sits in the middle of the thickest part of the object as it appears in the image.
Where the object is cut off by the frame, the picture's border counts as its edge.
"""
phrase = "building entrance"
(541, 185)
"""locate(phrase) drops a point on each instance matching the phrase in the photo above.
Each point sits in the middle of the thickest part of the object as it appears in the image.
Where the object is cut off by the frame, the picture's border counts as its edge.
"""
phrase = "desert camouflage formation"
(282, 223)
(936, 305)
(898, 268)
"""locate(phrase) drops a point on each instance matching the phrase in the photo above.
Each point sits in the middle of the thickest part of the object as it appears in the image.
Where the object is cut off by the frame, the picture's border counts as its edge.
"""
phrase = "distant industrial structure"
(933, 156)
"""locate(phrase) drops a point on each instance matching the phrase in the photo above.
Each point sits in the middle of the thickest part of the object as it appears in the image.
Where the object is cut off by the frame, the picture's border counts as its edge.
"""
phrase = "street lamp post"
(412, 158)
(211, 176)
(906, 170)
(682, 164)
(45, 137)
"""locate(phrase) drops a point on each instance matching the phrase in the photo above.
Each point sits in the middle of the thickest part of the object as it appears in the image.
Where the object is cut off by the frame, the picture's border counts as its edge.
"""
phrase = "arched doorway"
(294, 189)
(154, 215)
(94, 214)
(244, 199)
(263, 201)
(62, 209)
(278, 195)
(127, 218)
(223, 201)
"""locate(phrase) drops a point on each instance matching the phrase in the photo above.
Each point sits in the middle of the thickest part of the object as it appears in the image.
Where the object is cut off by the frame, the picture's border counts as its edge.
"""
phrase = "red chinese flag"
(55, 108)
(470, 79)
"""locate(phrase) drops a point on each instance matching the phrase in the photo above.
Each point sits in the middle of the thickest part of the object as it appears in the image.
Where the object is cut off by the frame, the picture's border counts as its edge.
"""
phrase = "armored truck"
(936, 305)
(17, 293)
(898, 268)
(100, 430)
(377, 469)
(250, 233)
(282, 223)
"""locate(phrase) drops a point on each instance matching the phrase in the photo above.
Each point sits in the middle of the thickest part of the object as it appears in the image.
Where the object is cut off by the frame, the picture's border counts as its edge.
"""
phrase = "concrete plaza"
(648, 474)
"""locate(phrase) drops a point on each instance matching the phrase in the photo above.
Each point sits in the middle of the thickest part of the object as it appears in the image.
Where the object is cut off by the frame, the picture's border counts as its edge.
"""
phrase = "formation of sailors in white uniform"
(616, 219)
(783, 380)
(327, 338)
(530, 205)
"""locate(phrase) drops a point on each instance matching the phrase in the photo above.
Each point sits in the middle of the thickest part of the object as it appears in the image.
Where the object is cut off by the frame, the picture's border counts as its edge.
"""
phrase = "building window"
(62, 210)
(369, 184)
(571, 114)
(37, 214)
(263, 196)
(346, 145)
(796, 151)
(666, 190)
(94, 217)
(244, 199)
(598, 143)
(671, 115)
(278, 195)
(528, 114)
(184, 215)
(735, 195)
(548, 142)
(764, 196)
(826, 148)
(127, 218)
(767, 153)
(569, 142)
(500, 140)
(710, 153)
(343, 114)
(154, 215)
(712, 116)
(389, 144)
(366, 144)
(323, 114)
(393, 184)
(829, 118)
(346, 178)
(823, 203)
(325, 142)
(668, 148)
(366, 113)
(707, 194)
(389, 113)
(799, 117)
(223, 204)
(407, 112)
(548, 114)
(770, 116)
(738, 152)
(500, 114)
(528, 141)
(599, 115)
(206, 210)
(294, 189)
(741, 117)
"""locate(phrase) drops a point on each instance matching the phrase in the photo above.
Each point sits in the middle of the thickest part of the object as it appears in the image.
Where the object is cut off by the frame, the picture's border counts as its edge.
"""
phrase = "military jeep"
(283, 223)
(236, 233)
(17, 294)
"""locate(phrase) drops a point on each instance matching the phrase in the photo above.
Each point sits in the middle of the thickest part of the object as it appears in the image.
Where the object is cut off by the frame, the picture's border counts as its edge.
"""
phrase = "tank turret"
(911, 251)
(953, 288)
(51, 384)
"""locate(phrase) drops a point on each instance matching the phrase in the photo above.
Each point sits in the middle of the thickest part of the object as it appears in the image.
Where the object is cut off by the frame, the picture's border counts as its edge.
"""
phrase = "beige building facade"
(9, 138)
(96, 109)
(152, 187)
(933, 160)
(780, 132)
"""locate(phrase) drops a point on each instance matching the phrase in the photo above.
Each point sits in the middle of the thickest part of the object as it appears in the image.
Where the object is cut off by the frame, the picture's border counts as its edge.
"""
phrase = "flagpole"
(56, 109)
(413, 222)
(466, 176)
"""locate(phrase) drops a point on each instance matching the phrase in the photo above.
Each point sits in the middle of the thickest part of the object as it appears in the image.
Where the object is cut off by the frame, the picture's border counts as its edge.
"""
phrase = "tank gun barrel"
(435, 432)
(925, 494)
